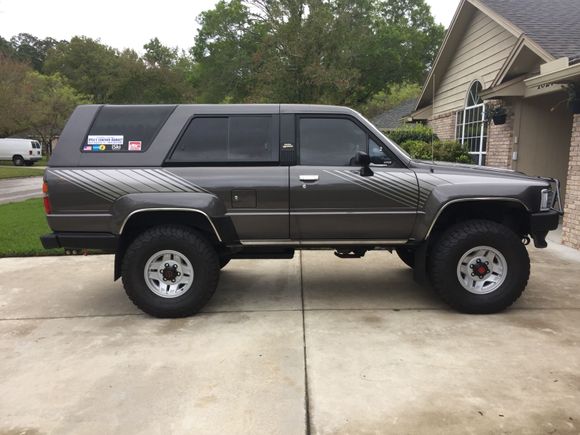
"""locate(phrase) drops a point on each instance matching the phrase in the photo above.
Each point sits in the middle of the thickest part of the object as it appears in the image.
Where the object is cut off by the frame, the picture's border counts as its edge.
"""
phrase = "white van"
(20, 151)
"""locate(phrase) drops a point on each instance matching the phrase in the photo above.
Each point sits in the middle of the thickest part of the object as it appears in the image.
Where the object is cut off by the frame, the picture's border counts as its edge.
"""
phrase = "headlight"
(545, 202)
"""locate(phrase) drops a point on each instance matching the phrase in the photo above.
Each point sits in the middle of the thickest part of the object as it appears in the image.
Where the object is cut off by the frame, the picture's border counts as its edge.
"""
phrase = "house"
(522, 56)
(395, 116)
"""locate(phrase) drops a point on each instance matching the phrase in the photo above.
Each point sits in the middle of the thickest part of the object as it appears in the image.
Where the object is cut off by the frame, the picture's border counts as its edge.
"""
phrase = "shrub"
(444, 151)
(412, 132)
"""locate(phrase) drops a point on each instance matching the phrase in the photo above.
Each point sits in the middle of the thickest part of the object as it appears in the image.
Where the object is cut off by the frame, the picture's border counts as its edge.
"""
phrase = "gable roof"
(548, 29)
(392, 118)
(552, 24)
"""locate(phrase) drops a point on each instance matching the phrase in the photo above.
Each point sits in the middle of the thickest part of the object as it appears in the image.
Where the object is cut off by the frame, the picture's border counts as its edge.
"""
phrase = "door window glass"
(330, 141)
(379, 154)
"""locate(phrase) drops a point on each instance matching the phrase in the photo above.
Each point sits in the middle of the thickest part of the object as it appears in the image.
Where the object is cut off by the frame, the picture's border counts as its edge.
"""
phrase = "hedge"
(416, 140)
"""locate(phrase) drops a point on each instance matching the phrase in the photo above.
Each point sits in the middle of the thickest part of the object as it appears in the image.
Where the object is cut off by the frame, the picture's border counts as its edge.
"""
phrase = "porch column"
(500, 142)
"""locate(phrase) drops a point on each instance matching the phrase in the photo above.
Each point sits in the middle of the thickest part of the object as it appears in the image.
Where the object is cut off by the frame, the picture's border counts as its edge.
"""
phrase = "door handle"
(309, 178)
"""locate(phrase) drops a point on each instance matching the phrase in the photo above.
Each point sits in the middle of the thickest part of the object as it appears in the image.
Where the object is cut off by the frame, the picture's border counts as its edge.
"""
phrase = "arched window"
(471, 125)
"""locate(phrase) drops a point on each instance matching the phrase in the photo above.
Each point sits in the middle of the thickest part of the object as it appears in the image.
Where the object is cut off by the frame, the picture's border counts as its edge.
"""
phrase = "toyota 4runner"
(177, 191)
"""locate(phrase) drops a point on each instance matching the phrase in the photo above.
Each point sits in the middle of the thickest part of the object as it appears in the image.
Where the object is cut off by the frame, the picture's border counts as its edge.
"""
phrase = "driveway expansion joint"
(306, 392)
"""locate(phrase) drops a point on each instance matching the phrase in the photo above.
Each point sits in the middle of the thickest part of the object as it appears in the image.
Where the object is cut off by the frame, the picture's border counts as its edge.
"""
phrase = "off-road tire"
(407, 256)
(18, 160)
(455, 242)
(188, 242)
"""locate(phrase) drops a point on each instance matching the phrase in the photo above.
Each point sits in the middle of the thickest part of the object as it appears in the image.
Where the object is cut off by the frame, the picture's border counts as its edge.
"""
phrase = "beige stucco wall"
(479, 56)
(544, 137)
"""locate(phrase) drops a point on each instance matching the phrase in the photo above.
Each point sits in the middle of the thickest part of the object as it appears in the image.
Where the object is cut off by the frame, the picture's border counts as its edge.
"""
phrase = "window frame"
(483, 126)
(397, 163)
(275, 138)
(144, 149)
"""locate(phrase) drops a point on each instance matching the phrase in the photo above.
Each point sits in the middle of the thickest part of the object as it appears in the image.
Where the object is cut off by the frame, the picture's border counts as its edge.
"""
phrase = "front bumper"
(100, 241)
(541, 224)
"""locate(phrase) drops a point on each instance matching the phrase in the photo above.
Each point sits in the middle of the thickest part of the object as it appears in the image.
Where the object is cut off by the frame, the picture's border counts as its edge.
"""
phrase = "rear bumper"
(541, 224)
(101, 241)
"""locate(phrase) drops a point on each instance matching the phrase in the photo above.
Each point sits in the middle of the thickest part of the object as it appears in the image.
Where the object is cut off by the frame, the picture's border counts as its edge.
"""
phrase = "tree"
(158, 55)
(226, 51)
(307, 51)
(30, 49)
(90, 67)
(33, 103)
(6, 49)
(51, 102)
(113, 77)
(13, 96)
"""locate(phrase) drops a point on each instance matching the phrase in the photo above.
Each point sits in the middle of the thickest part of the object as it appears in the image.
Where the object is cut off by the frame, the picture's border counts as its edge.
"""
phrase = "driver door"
(331, 200)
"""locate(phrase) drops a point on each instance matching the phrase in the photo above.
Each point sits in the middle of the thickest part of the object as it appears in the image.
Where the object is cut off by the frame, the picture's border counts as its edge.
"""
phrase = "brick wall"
(444, 125)
(571, 228)
(500, 143)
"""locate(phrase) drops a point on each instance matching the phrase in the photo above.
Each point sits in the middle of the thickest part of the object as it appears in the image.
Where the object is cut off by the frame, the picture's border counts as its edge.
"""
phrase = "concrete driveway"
(19, 189)
(312, 345)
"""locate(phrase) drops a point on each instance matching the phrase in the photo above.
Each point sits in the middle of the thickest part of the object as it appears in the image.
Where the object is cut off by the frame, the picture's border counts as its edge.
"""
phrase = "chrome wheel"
(482, 270)
(169, 274)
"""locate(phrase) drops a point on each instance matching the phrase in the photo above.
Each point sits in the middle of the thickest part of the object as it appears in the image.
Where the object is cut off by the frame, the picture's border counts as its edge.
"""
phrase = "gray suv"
(177, 191)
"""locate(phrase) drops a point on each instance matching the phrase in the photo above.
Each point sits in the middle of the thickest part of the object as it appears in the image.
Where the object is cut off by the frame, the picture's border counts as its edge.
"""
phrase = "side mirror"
(363, 160)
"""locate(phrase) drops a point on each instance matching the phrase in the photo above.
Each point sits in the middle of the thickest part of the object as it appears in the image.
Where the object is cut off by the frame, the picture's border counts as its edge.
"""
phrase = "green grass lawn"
(41, 162)
(21, 225)
(19, 172)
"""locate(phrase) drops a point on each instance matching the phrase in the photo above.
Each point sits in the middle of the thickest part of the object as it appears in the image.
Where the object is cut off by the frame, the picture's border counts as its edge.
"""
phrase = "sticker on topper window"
(105, 140)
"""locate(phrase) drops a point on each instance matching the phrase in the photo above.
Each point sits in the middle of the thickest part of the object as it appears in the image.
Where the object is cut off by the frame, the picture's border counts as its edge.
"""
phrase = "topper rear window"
(125, 128)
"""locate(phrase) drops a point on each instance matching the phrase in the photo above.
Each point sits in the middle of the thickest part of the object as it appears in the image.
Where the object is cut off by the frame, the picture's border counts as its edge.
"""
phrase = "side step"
(350, 253)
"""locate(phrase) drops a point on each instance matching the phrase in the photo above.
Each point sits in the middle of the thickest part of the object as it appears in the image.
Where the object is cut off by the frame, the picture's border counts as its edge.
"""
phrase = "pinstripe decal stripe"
(381, 186)
(401, 195)
(111, 184)
(83, 185)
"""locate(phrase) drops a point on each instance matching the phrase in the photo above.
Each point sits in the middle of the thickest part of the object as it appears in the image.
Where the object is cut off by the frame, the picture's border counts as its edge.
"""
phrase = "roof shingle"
(553, 24)
(393, 118)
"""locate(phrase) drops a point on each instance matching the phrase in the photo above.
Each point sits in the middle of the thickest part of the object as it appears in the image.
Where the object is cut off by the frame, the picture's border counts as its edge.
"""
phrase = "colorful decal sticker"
(105, 140)
(96, 148)
(134, 145)
(116, 147)
(87, 148)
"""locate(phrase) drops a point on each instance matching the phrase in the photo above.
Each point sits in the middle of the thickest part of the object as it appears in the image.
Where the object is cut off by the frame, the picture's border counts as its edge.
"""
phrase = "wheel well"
(142, 221)
(509, 213)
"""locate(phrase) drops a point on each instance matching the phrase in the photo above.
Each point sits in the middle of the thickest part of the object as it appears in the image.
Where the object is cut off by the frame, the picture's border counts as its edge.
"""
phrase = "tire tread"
(171, 232)
(458, 234)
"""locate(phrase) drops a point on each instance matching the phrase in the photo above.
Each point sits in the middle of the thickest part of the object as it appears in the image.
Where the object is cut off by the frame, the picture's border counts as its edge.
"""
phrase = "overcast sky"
(126, 23)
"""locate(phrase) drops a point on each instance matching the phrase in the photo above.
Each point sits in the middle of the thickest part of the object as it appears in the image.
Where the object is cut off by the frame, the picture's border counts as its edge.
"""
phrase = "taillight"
(30, 152)
(46, 199)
